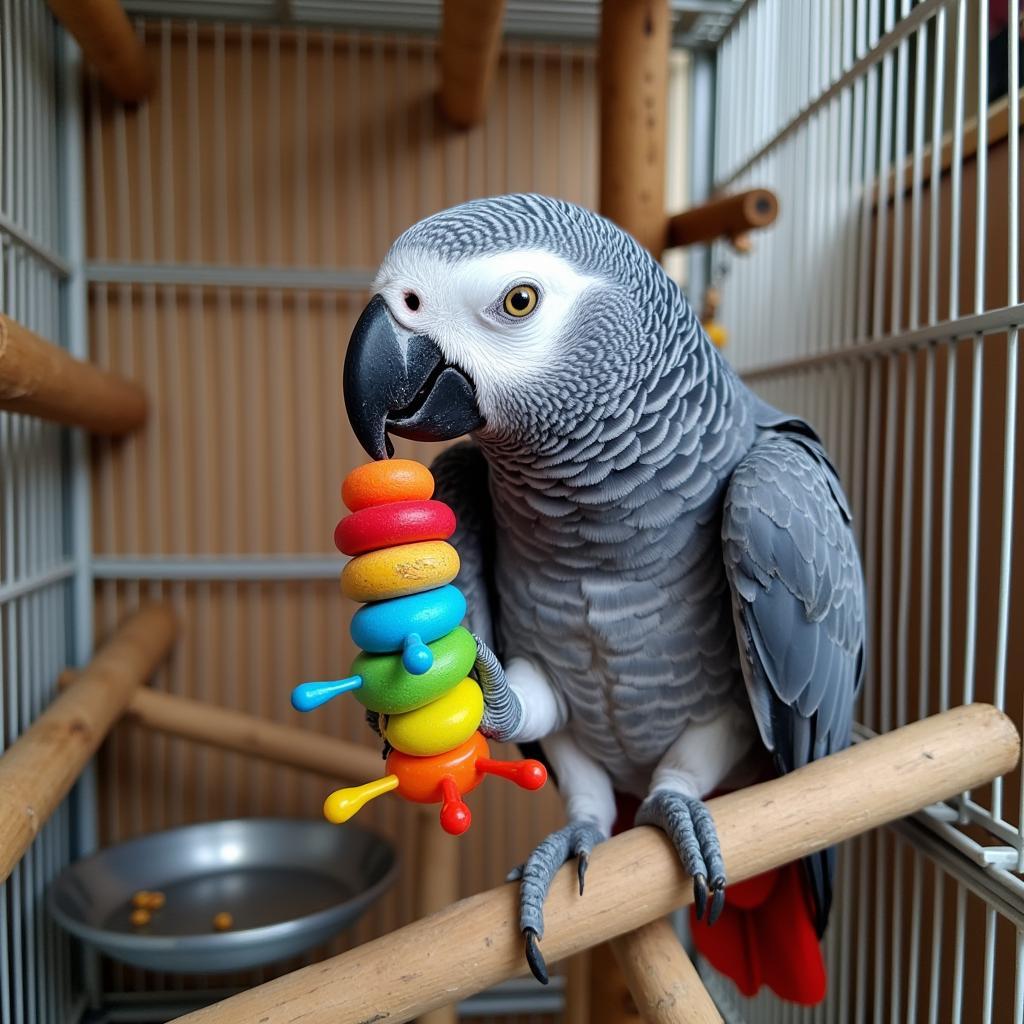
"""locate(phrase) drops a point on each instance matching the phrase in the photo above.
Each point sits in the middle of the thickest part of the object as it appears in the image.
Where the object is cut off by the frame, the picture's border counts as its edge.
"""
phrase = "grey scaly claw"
(688, 823)
(577, 839)
(503, 711)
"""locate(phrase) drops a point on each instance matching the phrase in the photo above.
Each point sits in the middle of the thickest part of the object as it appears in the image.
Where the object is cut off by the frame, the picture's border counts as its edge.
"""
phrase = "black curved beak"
(400, 383)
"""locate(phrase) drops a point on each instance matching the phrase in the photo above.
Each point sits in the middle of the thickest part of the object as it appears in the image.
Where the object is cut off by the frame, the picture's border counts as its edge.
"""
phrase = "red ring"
(398, 522)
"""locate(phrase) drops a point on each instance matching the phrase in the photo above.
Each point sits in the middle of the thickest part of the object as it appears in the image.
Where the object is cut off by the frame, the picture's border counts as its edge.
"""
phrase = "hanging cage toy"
(415, 663)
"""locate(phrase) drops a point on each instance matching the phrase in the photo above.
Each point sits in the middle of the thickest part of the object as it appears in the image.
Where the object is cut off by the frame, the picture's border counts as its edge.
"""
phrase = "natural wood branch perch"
(40, 379)
(109, 44)
(41, 766)
(665, 984)
(633, 69)
(636, 878)
(725, 217)
(470, 41)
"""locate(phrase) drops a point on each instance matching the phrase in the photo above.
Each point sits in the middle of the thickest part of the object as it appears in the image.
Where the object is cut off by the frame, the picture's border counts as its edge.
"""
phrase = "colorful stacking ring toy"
(414, 666)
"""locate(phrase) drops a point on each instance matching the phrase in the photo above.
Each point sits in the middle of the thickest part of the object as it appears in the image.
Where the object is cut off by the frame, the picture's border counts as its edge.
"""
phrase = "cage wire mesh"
(885, 307)
(40, 567)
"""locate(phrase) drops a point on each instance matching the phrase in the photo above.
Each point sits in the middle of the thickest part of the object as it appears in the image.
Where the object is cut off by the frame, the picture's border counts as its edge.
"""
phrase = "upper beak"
(400, 383)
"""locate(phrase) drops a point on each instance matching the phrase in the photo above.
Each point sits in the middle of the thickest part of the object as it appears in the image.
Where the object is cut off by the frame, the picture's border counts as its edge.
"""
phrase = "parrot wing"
(461, 481)
(798, 606)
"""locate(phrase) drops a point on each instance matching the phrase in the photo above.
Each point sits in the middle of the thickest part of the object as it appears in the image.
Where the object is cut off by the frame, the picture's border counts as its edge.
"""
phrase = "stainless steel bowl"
(288, 885)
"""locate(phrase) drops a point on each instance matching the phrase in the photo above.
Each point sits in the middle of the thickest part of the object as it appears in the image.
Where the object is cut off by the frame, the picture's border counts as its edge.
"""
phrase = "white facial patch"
(459, 306)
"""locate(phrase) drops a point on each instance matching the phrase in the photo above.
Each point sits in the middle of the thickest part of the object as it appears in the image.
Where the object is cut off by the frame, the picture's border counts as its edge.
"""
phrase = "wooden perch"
(246, 734)
(470, 41)
(41, 766)
(636, 877)
(40, 379)
(727, 217)
(109, 44)
(633, 68)
(665, 984)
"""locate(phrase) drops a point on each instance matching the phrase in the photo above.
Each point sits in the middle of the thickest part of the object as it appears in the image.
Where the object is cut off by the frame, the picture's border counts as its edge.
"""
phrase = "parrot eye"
(520, 301)
(412, 301)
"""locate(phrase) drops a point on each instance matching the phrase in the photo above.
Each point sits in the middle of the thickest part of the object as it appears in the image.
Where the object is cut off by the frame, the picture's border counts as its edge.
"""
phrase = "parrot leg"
(575, 840)
(503, 710)
(590, 804)
(704, 757)
(687, 822)
(519, 703)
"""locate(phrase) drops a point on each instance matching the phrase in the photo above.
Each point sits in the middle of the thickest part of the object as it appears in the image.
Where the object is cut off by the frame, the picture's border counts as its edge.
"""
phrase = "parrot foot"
(503, 712)
(577, 839)
(688, 823)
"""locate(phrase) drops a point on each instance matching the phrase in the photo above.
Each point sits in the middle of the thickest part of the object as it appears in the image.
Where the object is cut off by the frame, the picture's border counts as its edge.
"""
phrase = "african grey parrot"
(659, 566)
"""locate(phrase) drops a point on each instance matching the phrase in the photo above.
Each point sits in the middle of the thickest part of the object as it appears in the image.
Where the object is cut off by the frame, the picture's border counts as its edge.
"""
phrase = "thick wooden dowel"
(437, 887)
(470, 42)
(40, 379)
(243, 733)
(41, 766)
(109, 44)
(665, 984)
(727, 217)
(633, 69)
(636, 877)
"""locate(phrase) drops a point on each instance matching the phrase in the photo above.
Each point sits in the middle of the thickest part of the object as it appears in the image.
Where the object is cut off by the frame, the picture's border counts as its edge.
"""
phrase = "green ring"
(390, 690)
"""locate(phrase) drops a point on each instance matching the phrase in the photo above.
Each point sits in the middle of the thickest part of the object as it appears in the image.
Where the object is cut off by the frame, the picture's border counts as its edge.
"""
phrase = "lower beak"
(397, 383)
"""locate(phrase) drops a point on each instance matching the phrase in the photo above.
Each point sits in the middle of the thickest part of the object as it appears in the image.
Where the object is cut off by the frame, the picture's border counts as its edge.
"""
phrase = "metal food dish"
(288, 884)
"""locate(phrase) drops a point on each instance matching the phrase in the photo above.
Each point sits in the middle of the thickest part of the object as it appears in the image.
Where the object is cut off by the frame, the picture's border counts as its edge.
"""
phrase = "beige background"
(278, 149)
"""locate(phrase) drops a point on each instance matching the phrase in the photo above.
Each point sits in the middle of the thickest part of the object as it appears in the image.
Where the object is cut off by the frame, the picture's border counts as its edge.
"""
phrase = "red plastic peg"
(527, 774)
(455, 815)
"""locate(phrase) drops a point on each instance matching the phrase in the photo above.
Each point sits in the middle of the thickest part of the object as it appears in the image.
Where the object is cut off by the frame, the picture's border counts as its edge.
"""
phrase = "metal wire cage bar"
(885, 307)
(42, 561)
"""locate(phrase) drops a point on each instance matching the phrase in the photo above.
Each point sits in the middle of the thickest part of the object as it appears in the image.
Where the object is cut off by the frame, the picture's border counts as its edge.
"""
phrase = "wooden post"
(109, 44)
(633, 70)
(577, 989)
(41, 766)
(727, 217)
(664, 983)
(636, 877)
(611, 1001)
(632, 61)
(470, 41)
(437, 887)
(40, 379)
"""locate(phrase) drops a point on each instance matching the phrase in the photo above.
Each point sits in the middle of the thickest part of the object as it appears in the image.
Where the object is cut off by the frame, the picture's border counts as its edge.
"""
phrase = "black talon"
(534, 957)
(582, 863)
(700, 895)
(717, 903)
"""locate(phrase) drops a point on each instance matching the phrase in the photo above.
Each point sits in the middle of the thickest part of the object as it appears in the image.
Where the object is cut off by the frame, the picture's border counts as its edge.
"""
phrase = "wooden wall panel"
(297, 150)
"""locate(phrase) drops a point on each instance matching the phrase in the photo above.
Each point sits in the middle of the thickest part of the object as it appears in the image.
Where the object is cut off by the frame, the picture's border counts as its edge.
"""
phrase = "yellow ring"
(441, 725)
(398, 571)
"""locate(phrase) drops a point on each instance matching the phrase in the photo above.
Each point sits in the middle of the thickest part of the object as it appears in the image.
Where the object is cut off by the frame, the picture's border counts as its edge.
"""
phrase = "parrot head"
(520, 318)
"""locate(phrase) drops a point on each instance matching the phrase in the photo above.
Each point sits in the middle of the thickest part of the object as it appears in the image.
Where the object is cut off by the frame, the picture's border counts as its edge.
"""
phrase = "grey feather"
(798, 602)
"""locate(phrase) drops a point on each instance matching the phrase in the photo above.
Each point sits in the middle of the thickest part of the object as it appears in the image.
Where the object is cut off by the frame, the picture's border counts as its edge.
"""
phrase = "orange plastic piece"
(377, 483)
(419, 778)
